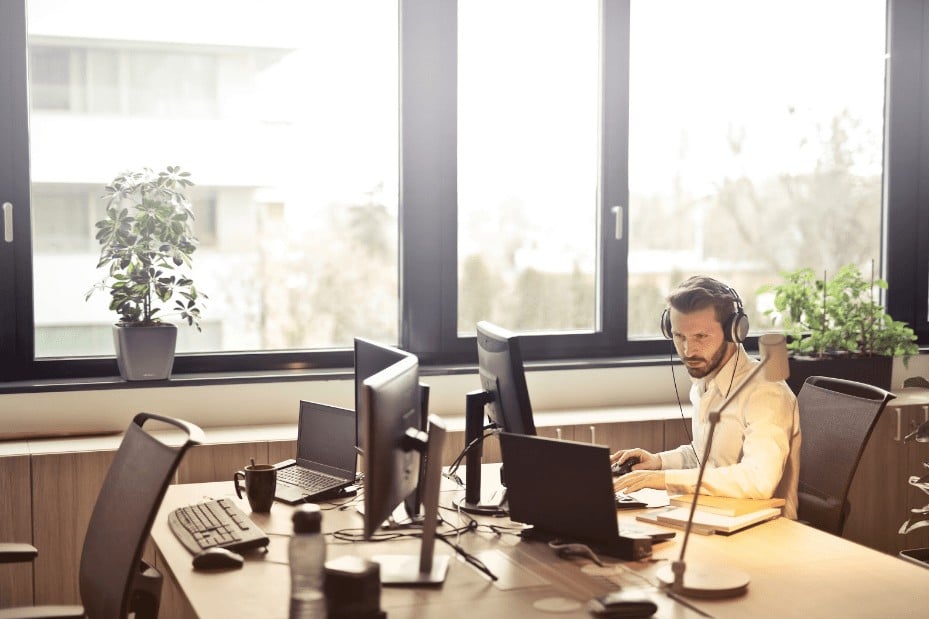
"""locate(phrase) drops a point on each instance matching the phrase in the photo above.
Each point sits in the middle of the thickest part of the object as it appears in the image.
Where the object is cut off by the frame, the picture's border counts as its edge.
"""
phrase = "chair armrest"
(17, 553)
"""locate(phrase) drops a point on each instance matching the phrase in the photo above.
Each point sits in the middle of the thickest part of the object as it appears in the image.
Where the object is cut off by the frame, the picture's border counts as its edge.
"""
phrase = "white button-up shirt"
(756, 444)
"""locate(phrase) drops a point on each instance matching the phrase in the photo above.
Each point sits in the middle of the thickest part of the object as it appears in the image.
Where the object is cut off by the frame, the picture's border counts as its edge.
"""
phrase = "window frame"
(428, 210)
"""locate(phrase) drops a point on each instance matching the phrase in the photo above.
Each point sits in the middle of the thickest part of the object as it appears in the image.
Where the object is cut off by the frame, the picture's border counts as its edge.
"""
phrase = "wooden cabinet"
(676, 433)
(881, 496)
(64, 490)
(616, 435)
(15, 526)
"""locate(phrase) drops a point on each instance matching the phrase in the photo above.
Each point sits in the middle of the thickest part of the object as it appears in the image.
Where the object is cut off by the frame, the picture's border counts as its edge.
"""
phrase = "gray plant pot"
(145, 353)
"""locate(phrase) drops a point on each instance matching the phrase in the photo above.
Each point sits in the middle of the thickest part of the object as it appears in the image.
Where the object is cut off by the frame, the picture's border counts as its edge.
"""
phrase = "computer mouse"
(217, 559)
(627, 604)
(621, 469)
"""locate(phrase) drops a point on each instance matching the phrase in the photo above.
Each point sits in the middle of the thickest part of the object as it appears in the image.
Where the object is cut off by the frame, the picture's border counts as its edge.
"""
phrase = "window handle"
(8, 222)
(618, 212)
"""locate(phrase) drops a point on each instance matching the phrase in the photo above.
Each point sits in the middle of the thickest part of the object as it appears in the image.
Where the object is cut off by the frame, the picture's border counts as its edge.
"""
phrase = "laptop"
(564, 489)
(326, 455)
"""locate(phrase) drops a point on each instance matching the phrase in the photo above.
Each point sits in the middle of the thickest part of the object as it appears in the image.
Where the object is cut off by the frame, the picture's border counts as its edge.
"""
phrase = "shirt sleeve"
(682, 457)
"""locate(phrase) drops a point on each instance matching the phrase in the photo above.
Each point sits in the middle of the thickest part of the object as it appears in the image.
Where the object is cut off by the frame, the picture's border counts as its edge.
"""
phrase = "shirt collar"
(721, 381)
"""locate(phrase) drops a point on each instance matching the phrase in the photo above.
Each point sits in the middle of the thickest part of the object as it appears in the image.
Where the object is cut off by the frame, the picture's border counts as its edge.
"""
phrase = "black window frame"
(428, 211)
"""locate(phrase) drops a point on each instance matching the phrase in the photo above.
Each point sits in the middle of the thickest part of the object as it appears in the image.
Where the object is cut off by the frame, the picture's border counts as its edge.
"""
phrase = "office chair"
(836, 420)
(113, 579)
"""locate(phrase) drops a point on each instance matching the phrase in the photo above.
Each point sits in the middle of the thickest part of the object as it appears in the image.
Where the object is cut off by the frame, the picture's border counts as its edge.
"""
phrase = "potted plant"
(147, 241)
(838, 323)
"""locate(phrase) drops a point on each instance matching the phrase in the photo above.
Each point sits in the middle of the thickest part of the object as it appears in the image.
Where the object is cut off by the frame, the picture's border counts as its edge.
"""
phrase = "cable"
(469, 558)
(456, 463)
(680, 405)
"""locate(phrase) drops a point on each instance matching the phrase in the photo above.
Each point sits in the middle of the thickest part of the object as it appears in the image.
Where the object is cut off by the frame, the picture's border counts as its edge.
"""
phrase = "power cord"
(456, 463)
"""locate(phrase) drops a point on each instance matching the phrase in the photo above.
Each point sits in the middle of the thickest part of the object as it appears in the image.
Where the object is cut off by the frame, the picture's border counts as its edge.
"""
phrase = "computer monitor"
(394, 449)
(500, 364)
(503, 398)
(370, 358)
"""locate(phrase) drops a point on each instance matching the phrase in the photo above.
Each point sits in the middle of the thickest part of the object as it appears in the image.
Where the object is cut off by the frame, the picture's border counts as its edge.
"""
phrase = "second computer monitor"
(500, 364)
(370, 358)
(389, 425)
(503, 398)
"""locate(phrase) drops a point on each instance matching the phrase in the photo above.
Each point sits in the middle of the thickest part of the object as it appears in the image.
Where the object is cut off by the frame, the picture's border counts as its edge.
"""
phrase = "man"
(756, 445)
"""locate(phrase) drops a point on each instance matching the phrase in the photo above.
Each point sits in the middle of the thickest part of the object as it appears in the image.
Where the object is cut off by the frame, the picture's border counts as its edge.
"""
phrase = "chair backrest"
(836, 420)
(124, 512)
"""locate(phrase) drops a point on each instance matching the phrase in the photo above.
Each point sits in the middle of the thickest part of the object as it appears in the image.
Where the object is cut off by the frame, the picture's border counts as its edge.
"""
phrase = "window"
(551, 165)
(289, 129)
(744, 160)
(528, 140)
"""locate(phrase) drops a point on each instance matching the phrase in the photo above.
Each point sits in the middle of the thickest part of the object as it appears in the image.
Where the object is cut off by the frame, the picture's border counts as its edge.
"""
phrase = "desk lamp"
(711, 581)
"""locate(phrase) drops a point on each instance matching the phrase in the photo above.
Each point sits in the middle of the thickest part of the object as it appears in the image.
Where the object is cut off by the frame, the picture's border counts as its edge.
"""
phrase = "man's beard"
(710, 366)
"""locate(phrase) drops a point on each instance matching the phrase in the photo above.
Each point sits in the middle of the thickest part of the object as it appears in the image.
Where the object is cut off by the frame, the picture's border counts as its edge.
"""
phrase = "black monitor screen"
(500, 364)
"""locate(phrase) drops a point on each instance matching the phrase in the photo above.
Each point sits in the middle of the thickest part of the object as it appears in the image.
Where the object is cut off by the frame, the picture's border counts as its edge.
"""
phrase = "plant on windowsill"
(838, 320)
(147, 241)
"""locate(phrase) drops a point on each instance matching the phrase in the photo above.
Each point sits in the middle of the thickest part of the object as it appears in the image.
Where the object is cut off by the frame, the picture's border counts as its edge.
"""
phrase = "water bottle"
(307, 554)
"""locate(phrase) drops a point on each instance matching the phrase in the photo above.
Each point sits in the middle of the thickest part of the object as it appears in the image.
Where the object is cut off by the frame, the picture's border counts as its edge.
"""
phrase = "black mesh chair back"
(836, 420)
(114, 580)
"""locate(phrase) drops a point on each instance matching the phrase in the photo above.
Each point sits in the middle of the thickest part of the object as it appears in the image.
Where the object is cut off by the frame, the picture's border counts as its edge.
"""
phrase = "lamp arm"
(714, 416)
(761, 363)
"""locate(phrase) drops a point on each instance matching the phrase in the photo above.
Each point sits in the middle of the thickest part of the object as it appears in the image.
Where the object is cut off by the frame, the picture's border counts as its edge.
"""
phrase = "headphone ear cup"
(666, 323)
(737, 327)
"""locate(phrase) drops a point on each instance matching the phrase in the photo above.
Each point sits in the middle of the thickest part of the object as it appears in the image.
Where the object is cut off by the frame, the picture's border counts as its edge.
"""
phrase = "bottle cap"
(307, 518)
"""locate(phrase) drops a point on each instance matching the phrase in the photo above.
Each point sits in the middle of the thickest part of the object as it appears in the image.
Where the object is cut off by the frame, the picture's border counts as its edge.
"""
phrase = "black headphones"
(735, 328)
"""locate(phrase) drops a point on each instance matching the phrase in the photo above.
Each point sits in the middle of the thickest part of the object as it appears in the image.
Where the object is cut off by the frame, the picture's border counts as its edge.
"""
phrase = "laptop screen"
(326, 439)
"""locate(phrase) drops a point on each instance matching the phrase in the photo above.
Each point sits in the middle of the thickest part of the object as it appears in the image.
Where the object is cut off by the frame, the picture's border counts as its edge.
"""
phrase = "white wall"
(110, 410)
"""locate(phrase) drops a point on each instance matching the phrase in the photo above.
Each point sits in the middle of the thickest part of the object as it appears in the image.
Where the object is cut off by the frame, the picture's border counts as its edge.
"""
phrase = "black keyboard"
(217, 522)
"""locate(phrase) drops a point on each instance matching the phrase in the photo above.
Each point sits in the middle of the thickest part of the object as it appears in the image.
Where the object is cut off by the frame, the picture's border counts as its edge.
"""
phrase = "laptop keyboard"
(311, 481)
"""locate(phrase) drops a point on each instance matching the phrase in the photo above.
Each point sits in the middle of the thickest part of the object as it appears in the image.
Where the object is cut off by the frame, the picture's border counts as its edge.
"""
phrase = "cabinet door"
(648, 435)
(880, 496)
(15, 526)
(64, 490)
(676, 433)
(219, 462)
(917, 455)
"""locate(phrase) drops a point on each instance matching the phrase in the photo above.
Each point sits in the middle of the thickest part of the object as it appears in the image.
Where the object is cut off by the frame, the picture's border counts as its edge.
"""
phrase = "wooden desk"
(796, 571)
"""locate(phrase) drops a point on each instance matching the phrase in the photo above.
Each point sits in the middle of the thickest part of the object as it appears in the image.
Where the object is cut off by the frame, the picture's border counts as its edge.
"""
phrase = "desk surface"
(795, 570)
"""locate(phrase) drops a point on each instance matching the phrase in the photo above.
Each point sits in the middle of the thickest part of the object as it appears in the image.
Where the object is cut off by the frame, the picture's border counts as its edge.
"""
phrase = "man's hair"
(700, 292)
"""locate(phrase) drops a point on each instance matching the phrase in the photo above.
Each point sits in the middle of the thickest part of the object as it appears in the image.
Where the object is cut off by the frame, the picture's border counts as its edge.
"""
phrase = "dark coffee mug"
(260, 484)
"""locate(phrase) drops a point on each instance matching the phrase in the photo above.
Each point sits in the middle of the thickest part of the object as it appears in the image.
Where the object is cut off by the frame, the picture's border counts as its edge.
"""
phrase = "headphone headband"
(735, 327)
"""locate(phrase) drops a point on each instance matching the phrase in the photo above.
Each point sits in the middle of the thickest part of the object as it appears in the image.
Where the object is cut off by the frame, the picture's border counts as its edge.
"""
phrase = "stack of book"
(715, 514)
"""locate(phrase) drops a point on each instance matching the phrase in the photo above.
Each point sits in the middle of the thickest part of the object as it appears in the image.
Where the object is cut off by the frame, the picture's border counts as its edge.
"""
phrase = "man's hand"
(647, 460)
(636, 480)
(645, 474)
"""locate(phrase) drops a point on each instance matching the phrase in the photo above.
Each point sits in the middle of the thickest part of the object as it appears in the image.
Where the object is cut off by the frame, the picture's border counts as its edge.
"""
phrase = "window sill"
(283, 376)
